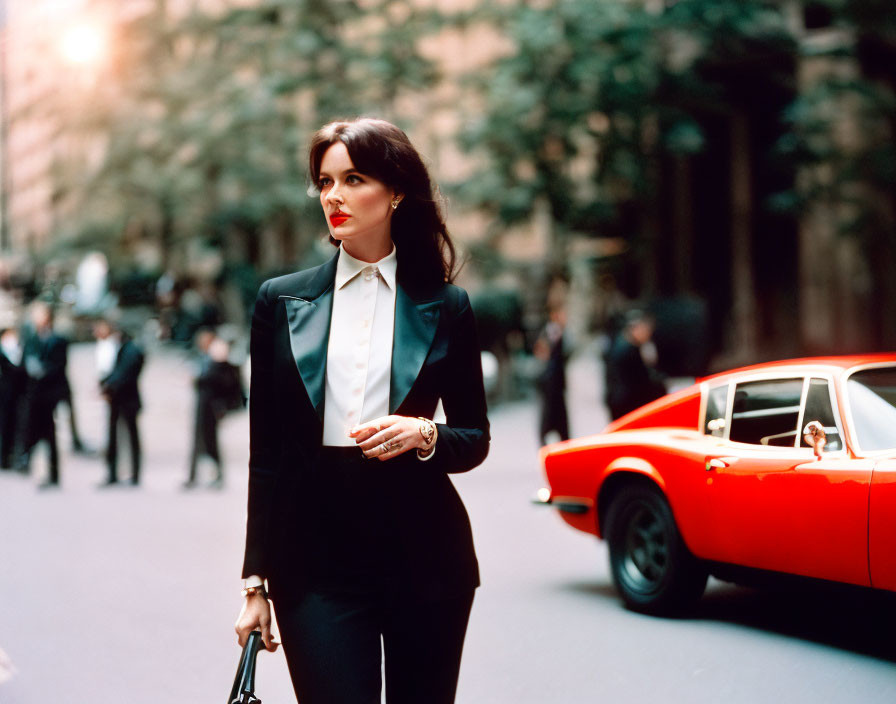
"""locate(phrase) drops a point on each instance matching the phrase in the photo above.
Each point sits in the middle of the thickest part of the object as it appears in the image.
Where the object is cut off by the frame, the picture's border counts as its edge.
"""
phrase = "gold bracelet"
(252, 591)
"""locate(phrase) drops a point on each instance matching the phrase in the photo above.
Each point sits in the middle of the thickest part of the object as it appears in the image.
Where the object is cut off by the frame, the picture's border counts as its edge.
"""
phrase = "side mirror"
(716, 425)
(815, 437)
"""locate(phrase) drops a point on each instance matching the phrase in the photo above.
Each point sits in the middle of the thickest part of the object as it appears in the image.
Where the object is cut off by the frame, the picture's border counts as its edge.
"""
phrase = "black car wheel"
(652, 567)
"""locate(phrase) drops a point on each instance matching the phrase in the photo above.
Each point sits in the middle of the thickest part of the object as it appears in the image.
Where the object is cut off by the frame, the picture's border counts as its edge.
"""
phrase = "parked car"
(784, 468)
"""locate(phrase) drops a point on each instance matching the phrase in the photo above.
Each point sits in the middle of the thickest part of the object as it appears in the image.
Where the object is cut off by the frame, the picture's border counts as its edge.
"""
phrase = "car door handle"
(716, 463)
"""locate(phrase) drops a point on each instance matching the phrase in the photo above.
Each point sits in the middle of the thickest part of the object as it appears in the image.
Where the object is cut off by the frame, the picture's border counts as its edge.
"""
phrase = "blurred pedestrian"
(631, 382)
(45, 356)
(13, 381)
(550, 349)
(68, 400)
(352, 518)
(119, 363)
(219, 390)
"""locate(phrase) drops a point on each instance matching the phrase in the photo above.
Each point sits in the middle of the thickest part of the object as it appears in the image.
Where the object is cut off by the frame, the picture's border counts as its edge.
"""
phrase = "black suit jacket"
(120, 385)
(12, 385)
(435, 355)
(630, 384)
(51, 385)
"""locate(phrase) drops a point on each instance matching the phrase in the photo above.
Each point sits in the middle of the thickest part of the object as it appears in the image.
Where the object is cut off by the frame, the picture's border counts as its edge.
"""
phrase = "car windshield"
(872, 401)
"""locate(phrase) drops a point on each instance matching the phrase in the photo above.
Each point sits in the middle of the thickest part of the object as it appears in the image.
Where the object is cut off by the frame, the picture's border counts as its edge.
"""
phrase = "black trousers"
(553, 415)
(10, 410)
(42, 427)
(205, 440)
(364, 591)
(72, 421)
(129, 416)
(335, 645)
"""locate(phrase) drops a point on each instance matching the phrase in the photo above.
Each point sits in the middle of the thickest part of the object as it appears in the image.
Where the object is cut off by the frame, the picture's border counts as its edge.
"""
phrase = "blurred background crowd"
(723, 169)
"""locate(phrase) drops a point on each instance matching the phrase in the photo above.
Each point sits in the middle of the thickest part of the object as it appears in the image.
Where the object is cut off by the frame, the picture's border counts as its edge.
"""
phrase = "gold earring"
(395, 202)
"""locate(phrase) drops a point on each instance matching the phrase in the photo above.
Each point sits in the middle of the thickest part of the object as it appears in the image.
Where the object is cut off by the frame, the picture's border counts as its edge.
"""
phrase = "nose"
(334, 196)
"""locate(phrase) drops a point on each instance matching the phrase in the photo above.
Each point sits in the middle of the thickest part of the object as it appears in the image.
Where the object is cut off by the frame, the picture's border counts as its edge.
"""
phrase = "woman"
(352, 519)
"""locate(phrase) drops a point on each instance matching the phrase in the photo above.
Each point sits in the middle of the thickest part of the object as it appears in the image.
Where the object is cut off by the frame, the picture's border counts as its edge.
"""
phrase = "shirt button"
(366, 324)
(357, 392)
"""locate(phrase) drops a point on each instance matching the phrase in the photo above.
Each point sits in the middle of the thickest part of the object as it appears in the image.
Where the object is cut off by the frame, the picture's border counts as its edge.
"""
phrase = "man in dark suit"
(45, 355)
(119, 387)
(550, 349)
(12, 390)
(630, 382)
(219, 390)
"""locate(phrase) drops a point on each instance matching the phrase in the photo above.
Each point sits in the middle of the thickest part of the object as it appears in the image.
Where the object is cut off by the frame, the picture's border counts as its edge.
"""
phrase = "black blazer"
(12, 384)
(120, 385)
(51, 386)
(435, 355)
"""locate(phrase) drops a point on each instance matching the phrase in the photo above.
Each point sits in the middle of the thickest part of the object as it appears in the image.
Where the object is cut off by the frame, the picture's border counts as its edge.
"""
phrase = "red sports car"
(787, 467)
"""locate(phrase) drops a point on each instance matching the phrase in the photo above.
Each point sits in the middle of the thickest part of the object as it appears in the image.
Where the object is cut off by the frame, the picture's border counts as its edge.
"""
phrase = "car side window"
(819, 407)
(716, 411)
(767, 412)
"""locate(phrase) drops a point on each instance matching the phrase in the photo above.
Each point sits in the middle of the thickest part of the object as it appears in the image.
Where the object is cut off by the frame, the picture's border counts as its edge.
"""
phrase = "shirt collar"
(347, 268)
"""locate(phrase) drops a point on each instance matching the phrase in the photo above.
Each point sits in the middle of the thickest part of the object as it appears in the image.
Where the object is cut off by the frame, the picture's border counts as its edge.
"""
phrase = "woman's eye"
(353, 179)
(323, 183)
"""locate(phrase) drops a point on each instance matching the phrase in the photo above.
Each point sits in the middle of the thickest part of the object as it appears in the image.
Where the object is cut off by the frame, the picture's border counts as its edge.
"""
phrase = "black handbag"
(243, 691)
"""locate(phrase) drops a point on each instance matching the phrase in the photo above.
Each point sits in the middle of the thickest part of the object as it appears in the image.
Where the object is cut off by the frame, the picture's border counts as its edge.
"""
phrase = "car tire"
(652, 567)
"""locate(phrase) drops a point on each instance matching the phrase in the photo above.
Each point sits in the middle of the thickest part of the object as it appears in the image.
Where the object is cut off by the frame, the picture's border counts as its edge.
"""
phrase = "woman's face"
(357, 207)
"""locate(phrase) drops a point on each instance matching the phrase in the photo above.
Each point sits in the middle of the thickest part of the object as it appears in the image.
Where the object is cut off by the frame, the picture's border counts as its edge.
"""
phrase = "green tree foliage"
(596, 93)
(844, 135)
(845, 118)
(203, 122)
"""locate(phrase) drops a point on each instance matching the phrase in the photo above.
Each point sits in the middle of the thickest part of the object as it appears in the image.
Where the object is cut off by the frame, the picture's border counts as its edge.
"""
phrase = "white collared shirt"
(359, 352)
(12, 349)
(106, 354)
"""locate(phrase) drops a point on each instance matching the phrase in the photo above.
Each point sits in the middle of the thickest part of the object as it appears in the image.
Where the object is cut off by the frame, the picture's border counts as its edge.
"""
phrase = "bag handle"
(243, 691)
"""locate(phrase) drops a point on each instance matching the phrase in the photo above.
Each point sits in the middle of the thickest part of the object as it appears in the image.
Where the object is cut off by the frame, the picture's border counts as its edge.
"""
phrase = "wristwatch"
(252, 591)
(427, 430)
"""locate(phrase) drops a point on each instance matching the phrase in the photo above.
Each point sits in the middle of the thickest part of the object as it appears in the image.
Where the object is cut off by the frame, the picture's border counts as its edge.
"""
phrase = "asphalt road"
(130, 595)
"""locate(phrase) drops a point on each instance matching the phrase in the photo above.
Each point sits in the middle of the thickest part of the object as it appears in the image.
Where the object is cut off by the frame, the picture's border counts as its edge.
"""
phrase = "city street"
(128, 596)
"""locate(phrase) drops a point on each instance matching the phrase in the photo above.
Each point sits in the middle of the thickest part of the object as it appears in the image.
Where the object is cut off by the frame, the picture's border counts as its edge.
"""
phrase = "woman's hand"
(389, 436)
(256, 616)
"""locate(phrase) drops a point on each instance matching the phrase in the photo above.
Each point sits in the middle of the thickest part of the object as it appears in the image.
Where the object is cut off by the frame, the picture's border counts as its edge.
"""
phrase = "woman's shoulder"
(298, 282)
(456, 296)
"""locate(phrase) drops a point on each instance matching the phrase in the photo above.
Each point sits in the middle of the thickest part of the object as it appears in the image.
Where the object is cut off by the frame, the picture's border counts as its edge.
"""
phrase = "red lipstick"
(338, 218)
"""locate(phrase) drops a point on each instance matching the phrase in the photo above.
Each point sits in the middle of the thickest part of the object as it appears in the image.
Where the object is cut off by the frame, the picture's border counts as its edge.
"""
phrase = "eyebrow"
(344, 173)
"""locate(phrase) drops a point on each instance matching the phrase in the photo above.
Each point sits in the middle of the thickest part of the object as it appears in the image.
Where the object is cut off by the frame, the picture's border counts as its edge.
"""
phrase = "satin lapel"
(309, 333)
(415, 328)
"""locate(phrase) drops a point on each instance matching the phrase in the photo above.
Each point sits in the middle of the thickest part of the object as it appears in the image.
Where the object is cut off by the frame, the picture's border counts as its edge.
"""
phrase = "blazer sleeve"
(262, 437)
(463, 440)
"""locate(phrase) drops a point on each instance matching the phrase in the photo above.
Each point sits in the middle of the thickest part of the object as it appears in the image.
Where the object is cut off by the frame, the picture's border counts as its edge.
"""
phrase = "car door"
(870, 397)
(882, 525)
(774, 505)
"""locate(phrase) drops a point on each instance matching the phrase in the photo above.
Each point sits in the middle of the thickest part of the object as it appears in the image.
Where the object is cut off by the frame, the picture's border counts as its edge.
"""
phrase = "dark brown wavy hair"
(423, 247)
